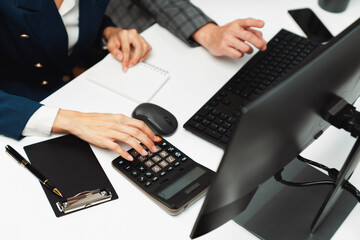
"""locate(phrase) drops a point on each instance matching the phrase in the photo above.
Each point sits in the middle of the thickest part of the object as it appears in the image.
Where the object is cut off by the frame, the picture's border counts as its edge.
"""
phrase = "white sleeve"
(41, 122)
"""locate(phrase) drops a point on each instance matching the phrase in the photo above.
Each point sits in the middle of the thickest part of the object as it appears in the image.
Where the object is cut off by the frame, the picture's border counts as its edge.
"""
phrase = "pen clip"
(84, 200)
(15, 156)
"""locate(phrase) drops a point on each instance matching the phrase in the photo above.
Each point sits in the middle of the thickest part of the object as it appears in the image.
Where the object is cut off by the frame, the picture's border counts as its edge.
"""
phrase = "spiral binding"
(155, 68)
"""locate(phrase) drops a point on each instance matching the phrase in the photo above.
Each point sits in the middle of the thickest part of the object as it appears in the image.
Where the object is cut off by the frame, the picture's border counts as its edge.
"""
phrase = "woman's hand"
(104, 130)
(119, 42)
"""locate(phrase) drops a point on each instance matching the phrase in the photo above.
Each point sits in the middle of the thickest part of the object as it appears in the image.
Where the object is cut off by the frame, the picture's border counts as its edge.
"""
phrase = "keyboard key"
(156, 158)
(170, 149)
(163, 164)
(213, 134)
(163, 154)
(141, 179)
(134, 153)
(197, 126)
(154, 179)
(134, 173)
(170, 159)
(142, 158)
(213, 126)
(149, 163)
(156, 169)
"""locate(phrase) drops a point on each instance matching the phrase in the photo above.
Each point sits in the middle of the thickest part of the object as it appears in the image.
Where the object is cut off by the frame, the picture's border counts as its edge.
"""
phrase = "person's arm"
(105, 130)
(15, 111)
(233, 39)
(180, 17)
(41, 122)
(190, 24)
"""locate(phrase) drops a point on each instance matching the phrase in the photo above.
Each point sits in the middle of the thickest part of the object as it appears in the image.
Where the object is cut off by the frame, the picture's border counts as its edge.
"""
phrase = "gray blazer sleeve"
(180, 17)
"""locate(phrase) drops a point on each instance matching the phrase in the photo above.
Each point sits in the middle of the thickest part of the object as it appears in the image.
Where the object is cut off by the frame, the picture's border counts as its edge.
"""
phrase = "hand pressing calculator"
(169, 177)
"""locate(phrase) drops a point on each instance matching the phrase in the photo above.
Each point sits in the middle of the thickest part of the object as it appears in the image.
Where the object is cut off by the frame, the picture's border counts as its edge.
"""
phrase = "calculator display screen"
(181, 183)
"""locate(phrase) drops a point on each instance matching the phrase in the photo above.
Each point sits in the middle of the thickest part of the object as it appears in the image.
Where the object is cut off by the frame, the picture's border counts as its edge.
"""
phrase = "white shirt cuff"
(41, 122)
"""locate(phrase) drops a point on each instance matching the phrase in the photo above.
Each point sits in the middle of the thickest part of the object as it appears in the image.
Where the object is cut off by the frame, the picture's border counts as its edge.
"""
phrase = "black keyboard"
(215, 120)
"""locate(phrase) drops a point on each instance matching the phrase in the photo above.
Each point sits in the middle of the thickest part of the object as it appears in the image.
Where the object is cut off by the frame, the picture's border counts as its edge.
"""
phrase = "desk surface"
(195, 77)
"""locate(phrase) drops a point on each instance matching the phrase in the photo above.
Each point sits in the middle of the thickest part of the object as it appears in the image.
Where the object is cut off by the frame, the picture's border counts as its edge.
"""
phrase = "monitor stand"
(280, 212)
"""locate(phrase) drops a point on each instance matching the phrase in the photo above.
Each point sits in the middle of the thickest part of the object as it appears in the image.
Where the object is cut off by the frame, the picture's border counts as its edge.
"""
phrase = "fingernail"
(144, 152)
(125, 69)
(131, 65)
(141, 60)
(154, 149)
(130, 158)
(119, 56)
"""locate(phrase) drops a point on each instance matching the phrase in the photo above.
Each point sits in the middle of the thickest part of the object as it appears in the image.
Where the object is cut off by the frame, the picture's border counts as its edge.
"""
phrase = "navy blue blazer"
(34, 59)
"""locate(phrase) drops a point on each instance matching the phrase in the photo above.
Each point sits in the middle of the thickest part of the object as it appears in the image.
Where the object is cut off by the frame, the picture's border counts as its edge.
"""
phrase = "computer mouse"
(161, 121)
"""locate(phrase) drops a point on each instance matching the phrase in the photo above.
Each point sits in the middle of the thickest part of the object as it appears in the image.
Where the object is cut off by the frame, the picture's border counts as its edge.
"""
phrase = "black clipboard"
(72, 167)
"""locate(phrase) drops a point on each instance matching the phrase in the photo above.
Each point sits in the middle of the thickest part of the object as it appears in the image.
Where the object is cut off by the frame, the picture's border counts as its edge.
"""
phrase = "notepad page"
(139, 84)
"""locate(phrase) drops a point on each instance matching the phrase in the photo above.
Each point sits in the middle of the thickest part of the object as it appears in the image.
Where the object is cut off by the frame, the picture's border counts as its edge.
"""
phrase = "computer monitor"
(277, 126)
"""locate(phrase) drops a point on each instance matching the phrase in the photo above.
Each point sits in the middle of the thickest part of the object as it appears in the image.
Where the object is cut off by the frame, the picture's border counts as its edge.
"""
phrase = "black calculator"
(169, 177)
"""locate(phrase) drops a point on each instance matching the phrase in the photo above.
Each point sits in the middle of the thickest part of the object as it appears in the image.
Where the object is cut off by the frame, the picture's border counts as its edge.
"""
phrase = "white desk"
(195, 77)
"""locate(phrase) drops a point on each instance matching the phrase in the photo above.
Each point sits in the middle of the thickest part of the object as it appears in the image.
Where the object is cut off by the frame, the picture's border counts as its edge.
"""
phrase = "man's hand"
(233, 39)
(119, 42)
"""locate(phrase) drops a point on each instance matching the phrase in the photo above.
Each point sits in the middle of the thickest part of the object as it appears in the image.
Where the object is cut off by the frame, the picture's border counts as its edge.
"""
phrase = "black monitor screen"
(276, 127)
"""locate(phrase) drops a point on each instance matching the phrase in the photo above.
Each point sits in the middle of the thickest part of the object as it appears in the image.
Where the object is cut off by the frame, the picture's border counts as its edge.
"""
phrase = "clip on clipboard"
(72, 166)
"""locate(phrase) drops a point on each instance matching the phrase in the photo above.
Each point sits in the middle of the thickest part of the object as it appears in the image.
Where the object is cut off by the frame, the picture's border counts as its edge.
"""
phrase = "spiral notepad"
(139, 84)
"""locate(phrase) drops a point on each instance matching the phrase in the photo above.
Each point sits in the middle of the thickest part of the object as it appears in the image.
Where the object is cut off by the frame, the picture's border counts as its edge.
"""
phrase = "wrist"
(64, 121)
(107, 32)
(204, 34)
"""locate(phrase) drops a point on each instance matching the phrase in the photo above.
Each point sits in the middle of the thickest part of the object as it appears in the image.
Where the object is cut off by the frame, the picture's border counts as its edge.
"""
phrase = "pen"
(20, 159)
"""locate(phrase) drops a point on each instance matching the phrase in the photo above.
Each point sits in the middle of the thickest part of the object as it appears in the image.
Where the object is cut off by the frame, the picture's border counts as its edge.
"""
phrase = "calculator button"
(127, 168)
(142, 158)
(158, 148)
(163, 154)
(170, 159)
(148, 174)
(176, 164)
(163, 173)
(163, 144)
(147, 184)
(134, 153)
(135, 173)
(156, 169)
(156, 158)
(171, 149)
(184, 159)
(170, 168)
(150, 154)
(141, 169)
(163, 164)
(177, 154)
(149, 163)
(154, 179)
(121, 162)
(141, 179)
